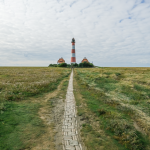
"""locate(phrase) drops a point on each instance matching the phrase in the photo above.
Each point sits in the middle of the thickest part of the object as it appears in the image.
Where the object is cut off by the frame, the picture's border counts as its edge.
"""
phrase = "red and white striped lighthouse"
(73, 54)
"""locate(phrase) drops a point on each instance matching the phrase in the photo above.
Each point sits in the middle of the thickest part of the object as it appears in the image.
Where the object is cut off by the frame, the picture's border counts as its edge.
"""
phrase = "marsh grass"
(19, 83)
(118, 98)
(20, 124)
(92, 131)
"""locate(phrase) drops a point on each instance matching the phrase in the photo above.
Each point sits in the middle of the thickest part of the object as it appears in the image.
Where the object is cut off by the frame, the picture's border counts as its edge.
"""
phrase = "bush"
(75, 65)
(53, 65)
(62, 65)
(68, 65)
(86, 64)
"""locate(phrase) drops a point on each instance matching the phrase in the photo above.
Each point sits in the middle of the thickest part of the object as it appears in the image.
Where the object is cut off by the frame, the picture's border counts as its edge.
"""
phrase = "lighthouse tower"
(73, 55)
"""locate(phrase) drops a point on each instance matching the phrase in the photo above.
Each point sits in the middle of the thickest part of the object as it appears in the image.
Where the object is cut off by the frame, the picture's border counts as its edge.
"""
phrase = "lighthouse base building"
(84, 60)
(60, 61)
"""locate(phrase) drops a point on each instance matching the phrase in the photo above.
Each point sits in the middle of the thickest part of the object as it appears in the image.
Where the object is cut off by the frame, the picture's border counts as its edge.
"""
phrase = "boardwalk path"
(70, 125)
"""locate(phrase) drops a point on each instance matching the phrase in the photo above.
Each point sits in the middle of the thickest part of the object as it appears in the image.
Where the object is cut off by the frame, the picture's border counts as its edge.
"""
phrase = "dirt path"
(70, 130)
(51, 112)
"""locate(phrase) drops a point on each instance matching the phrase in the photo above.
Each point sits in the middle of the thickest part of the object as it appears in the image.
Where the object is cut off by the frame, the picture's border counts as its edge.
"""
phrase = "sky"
(109, 33)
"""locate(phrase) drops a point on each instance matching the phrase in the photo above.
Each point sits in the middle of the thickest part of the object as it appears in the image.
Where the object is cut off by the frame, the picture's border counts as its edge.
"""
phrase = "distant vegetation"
(85, 65)
(80, 65)
(116, 102)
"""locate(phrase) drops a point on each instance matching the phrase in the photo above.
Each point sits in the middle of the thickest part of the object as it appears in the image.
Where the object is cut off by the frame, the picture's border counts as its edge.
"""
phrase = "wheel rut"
(70, 128)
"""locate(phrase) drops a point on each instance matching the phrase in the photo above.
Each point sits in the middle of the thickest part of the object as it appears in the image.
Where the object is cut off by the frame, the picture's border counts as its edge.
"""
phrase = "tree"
(62, 65)
(68, 65)
(52, 65)
(86, 64)
(75, 65)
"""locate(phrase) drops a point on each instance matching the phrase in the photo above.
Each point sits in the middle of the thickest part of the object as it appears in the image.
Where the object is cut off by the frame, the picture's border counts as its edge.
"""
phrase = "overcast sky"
(107, 32)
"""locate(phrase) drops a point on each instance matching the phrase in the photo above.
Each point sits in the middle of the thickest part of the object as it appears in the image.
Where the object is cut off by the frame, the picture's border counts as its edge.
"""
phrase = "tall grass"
(118, 98)
(20, 125)
(19, 83)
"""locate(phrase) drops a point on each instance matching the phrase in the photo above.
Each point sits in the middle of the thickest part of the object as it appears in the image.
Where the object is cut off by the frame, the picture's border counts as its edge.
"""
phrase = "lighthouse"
(73, 55)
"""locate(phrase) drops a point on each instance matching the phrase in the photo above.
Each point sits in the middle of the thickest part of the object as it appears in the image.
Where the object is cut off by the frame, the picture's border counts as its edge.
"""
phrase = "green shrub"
(62, 65)
(86, 64)
(68, 65)
(75, 65)
(53, 65)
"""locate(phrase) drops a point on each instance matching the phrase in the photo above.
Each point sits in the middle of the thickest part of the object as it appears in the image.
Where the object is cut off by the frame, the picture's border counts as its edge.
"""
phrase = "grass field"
(114, 104)
(22, 96)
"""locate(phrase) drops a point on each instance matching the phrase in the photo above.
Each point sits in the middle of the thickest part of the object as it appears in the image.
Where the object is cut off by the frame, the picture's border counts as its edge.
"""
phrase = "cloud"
(109, 33)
